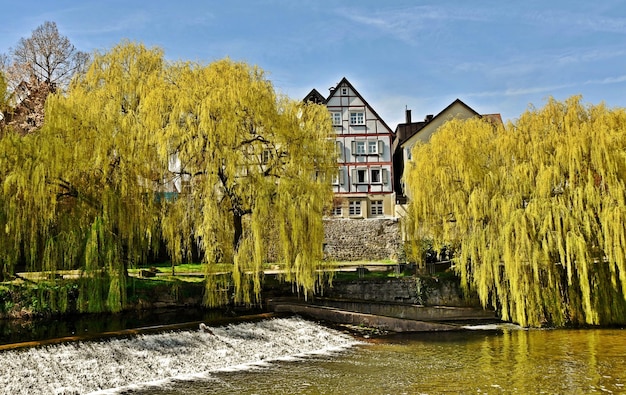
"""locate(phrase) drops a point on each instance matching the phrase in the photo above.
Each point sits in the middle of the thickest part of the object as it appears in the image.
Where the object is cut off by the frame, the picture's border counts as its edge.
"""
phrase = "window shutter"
(381, 147)
(385, 174)
(354, 180)
(339, 149)
(341, 176)
(353, 147)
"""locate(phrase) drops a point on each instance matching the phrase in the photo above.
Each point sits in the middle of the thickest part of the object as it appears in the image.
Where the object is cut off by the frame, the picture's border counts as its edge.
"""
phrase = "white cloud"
(607, 81)
(586, 21)
(547, 89)
(404, 24)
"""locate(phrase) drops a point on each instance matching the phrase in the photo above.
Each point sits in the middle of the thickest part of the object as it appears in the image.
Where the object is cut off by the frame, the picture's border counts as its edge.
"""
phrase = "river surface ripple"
(295, 356)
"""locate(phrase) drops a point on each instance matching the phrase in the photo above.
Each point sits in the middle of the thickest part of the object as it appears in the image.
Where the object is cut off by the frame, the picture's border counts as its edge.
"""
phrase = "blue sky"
(496, 56)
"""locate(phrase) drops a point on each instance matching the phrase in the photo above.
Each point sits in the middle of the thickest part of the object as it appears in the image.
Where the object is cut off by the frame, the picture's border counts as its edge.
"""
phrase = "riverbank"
(39, 294)
(162, 301)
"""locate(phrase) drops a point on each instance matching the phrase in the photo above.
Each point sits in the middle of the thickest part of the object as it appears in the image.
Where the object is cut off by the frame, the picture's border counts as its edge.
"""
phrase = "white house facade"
(363, 185)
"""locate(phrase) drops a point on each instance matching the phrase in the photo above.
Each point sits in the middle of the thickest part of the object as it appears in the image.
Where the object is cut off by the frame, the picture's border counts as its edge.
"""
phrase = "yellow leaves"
(249, 154)
(89, 190)
(536, 205)
(76, 193)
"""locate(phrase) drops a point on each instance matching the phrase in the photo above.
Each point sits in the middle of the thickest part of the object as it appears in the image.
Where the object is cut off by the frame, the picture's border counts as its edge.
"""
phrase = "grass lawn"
(194, 272)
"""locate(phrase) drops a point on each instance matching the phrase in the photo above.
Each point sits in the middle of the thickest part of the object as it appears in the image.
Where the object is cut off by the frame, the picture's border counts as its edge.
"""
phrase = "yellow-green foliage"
(83, 192)
(254, 162)
(75, 193)
(536, 210)
(4, 98)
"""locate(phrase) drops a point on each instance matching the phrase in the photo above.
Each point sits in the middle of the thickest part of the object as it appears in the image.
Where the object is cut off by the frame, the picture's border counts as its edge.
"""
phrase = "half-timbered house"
(363, 185)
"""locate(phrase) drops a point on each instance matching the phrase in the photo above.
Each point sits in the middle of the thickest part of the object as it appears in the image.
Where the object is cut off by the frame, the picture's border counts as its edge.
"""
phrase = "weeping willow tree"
(6, 156)
(536, 211)
(87, 190)
(77, 193)
(253, 167)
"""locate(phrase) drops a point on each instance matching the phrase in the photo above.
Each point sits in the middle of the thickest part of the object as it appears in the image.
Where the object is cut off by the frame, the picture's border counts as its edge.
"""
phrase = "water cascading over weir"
(140, 361)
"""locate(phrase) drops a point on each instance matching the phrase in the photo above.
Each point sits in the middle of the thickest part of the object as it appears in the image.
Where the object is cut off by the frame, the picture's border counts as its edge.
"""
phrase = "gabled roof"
(344, 80)
(315, 97)
(457, 101)
(432, 120)
(405, 130)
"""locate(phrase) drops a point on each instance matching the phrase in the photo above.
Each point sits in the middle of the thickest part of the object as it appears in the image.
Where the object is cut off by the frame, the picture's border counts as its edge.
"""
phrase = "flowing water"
(295, 356)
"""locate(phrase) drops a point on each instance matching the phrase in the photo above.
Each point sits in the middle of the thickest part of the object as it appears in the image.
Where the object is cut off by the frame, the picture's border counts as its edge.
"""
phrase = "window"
(336, 118)
(344, 91)
(265, 156)
(379, 176)
(358, 148)
(372, 147)
(361, 176)
(376, 208)
(354, 208)
(337, 211)
(357, 118)
(375, 176)
(337, 178)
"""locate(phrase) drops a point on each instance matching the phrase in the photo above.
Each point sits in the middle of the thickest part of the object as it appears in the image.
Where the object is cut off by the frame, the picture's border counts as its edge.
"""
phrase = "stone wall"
(369, 239)
(426, 291)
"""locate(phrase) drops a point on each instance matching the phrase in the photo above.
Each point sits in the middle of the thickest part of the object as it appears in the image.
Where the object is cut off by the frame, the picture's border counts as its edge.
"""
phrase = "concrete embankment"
(398, 305)
(384, 316)
(339, 316)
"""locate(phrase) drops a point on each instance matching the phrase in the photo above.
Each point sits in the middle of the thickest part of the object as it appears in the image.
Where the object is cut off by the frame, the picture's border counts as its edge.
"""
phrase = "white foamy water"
(115, 365)
(493, 327)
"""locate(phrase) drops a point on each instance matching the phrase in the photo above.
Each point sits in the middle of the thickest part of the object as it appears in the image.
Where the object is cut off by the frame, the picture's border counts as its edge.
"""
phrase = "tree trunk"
(238, 226)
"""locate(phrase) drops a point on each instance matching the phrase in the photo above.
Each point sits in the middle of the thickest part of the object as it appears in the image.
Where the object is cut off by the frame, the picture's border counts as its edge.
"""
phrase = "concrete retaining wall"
(410, 312)
(424, 291)
(361, 319)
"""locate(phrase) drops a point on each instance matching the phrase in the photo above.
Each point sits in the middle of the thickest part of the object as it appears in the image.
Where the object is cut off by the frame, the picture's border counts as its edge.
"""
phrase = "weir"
(139, 361)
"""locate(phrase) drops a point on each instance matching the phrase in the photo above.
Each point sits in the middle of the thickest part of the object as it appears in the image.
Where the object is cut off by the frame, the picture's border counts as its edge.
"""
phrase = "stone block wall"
(426, 291)
(369, 239)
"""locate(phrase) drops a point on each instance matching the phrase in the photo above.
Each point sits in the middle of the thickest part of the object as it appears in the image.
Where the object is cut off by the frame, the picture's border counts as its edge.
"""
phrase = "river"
(296, 356)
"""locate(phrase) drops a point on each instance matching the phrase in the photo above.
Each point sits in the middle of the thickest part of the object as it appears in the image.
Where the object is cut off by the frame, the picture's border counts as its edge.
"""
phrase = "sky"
(496, 56)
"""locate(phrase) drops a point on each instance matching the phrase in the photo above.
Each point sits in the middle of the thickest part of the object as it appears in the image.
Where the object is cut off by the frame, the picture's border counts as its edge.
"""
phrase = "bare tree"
(48, 57)
(38, 65)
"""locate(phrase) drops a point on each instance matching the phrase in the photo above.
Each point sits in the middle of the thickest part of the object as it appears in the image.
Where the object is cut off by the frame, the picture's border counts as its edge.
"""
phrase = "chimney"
(428, 118)
(408, 116)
